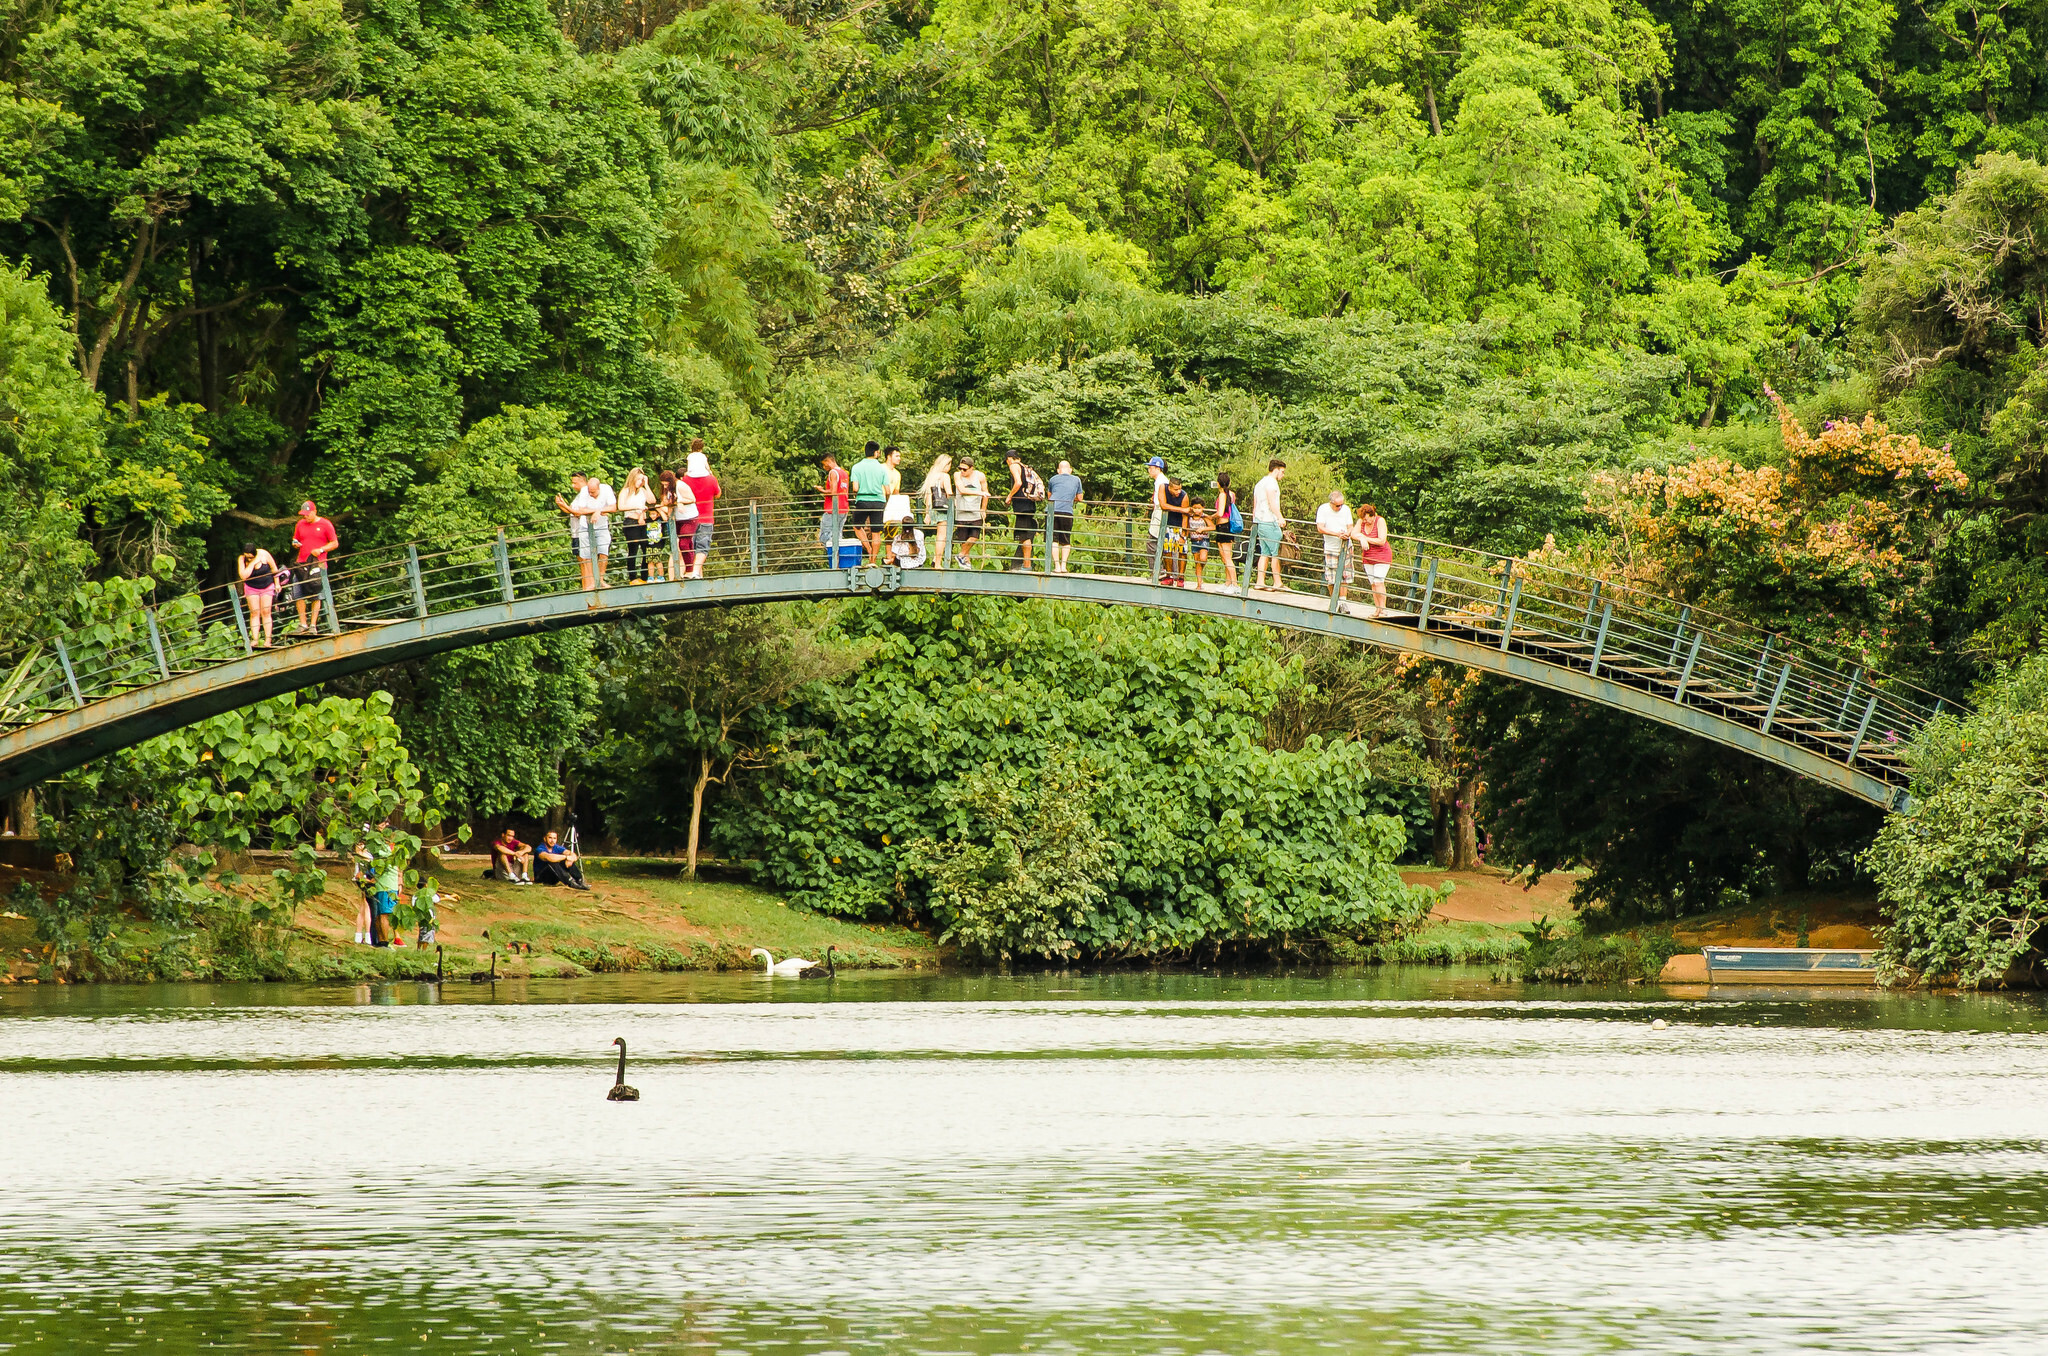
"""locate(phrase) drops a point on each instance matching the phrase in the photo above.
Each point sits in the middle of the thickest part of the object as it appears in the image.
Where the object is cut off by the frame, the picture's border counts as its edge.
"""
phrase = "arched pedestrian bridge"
(67, 700)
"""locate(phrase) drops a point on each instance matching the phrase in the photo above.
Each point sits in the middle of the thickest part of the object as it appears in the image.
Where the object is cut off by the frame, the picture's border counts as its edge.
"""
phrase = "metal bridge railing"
(1686, 655)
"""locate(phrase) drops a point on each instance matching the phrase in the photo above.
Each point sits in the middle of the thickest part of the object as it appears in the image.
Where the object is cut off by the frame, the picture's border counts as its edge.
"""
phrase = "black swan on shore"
(620, 1091)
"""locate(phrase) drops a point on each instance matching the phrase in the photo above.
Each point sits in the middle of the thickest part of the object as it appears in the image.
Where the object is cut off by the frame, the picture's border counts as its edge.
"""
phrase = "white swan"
(795, 965)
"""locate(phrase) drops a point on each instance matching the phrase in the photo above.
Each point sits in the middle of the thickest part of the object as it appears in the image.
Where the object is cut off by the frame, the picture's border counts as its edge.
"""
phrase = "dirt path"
(1484, 896)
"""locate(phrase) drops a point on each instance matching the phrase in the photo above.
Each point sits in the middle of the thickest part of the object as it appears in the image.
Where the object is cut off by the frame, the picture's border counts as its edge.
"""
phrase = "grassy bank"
(637, 915)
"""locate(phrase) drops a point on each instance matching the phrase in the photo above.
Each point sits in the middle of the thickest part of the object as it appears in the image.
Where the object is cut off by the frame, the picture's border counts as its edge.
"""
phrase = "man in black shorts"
(1065, 494)
(1026, 490)
(870, 497)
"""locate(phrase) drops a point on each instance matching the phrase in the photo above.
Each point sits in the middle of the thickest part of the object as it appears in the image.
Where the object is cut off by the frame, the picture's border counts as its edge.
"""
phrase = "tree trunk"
(1468, 831)
(697, 807)
(1436, 126)
(23, 813)
(1443, 838)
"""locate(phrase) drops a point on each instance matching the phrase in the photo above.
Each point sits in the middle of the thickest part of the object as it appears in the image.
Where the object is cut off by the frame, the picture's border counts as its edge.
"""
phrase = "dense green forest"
(1744, 301)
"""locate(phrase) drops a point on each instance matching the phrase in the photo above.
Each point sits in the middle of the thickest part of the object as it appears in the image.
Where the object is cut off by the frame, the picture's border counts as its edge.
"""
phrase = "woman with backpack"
(1229, 527)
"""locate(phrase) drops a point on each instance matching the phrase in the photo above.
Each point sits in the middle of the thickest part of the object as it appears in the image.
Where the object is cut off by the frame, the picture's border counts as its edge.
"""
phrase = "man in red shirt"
(835, 489)
(314, 536)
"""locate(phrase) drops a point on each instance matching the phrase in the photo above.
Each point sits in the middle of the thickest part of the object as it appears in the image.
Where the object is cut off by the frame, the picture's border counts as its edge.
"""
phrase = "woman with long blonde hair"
(936, 496)
(636, 501)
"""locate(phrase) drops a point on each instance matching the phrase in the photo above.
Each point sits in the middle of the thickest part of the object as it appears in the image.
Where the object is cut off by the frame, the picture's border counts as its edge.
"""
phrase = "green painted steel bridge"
(69, 699)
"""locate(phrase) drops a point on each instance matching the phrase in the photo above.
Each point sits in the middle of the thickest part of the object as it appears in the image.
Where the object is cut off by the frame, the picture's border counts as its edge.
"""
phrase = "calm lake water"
(1392, 1161)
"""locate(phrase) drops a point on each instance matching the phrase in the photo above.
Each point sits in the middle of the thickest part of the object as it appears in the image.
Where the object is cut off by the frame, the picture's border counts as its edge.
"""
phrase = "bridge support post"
(1507, 576)
(1507, 621)
(419, 585)
(1762, 660)
(1415, 576)
(156, 642)
(1600, 640)
(504, 569)
(1777, 695)
(675, 552)
(1045, 564)
(1849, 697)
(1592, 602)
(1691, 657)
(70, 678)
(1337, 576)
(1428, 596)
(241, 622)
(1127, 536)
(1678, 636)
(1862, 728)
(327, 599)
(1158, 544)
(754, 537)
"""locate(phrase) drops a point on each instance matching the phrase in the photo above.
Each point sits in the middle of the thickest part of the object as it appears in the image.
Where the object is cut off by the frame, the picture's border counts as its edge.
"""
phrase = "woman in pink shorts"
(258, 569)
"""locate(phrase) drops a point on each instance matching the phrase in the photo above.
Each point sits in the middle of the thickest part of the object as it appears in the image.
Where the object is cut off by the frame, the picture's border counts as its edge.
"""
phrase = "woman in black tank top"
(258, 569)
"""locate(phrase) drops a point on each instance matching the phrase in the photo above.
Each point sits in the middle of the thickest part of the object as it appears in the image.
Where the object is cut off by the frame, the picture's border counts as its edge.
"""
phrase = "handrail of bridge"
(1788, 691)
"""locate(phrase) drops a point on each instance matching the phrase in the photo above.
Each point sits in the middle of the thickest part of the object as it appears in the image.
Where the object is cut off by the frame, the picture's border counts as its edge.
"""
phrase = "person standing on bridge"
(590, 511)
(870, 496)
(704, 490)
(1267, 524)
(1229, 527)
(972, 488)
(576, 482)
(1334, 521)
(314, 536)
(936, 494)
(636, 504)
(1378, 555)
(257, 569)
(1063, 494)
(1026, 490)
(832, 521)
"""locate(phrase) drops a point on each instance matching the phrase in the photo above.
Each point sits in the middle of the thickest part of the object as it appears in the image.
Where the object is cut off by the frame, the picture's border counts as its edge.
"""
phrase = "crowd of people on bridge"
(1198, 538)
(866, 517)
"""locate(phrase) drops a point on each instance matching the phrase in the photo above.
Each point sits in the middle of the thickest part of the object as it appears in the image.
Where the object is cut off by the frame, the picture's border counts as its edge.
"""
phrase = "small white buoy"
(1659, 1025)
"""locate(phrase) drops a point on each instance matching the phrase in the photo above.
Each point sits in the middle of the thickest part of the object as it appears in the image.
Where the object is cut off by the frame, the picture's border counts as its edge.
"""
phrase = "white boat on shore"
(1790, 965)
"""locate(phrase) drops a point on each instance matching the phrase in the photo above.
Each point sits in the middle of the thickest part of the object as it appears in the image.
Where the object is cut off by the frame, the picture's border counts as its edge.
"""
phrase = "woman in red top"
(697, 475)
(1379, 554)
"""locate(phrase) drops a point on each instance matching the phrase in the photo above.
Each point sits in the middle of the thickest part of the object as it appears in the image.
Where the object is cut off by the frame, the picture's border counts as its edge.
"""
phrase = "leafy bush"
(950, 734)
(1964, 873)
(1571, 955)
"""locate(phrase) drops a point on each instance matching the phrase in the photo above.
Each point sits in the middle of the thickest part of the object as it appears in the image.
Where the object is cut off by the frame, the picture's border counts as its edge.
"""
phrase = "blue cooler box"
(850, 553)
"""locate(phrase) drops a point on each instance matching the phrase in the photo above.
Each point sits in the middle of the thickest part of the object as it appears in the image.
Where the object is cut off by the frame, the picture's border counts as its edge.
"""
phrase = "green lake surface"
(1368, 1161)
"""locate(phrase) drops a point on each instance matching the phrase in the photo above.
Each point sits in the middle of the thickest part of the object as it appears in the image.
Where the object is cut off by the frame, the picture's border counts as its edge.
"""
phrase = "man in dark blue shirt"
(554, 864)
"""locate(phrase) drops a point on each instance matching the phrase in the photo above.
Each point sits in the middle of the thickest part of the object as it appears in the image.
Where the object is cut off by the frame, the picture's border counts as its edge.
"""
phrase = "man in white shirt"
(1267, 524)
(1157, 468)
(592, 507)
(1333, 520)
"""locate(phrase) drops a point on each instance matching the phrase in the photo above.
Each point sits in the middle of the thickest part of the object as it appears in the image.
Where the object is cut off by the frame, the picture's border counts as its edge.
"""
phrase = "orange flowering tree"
(1834, 546)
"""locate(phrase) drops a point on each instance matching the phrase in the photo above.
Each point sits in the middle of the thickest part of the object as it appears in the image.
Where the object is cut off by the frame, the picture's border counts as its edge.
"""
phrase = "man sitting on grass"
(554, 864)
(512, 860)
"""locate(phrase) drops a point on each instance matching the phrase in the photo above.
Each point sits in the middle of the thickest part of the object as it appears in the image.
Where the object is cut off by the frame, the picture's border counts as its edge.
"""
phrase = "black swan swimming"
(620, 1092)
